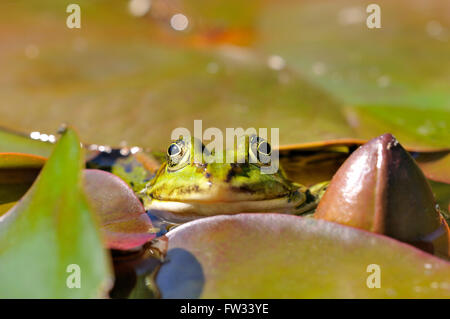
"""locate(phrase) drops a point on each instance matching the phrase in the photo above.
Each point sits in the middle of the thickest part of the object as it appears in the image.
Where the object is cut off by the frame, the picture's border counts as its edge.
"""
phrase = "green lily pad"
(12, 142)
(122, 216)
(113, 90)
(284, 256)
(49, 231)
(393, 79)
(333, 78)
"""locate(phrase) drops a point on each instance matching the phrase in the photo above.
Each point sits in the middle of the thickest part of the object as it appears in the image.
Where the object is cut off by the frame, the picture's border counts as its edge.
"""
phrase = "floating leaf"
(169, 84)
(80, 77)
(370, 70)
(122, 216)
(12, 142)
(435, 166)
(20, 160)
(50, 229)
(414, 127)
(284, 256)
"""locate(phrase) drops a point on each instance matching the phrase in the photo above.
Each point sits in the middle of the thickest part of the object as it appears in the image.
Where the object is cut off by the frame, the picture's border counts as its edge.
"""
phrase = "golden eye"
(178, 155)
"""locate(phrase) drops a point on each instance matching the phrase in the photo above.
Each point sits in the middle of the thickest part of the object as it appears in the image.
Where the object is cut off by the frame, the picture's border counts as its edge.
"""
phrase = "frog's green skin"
(188, 189)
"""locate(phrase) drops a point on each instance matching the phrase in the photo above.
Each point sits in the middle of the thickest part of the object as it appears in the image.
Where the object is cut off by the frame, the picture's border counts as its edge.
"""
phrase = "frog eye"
(264, 149)
(178, 154)
(173, 150)
(260, 151)
(263, 152)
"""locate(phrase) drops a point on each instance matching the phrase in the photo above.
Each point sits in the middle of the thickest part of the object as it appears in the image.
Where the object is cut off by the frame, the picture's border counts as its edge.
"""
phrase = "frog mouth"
(181, 211)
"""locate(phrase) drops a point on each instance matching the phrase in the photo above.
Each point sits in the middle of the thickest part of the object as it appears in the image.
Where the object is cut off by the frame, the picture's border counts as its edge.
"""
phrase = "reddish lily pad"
(284, 256)
(122, 217)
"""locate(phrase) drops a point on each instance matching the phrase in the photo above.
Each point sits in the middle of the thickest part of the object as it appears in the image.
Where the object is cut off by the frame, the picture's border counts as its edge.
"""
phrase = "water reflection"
(181, 275)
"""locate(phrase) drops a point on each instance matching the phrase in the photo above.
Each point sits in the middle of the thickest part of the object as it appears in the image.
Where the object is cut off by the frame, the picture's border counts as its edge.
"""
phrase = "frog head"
(189, 185)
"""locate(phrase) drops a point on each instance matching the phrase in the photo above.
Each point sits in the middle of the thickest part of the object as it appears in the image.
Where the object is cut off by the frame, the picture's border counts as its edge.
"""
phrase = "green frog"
(184, 189)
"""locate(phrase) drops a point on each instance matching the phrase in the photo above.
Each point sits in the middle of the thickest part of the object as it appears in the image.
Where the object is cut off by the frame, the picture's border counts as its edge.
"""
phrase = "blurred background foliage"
(311, 68)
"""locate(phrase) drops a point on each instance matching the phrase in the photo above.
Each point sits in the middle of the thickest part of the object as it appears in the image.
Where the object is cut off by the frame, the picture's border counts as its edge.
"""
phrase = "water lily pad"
(113, 89)
(51, 232)
(332, 76)
(284, 256)
(122, 217)
(20, 160)
(12, 142)
(435, 166)
(393, 79)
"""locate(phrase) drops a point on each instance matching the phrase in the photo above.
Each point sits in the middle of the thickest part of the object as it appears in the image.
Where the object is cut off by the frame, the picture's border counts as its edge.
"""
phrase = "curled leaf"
(123, 219)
